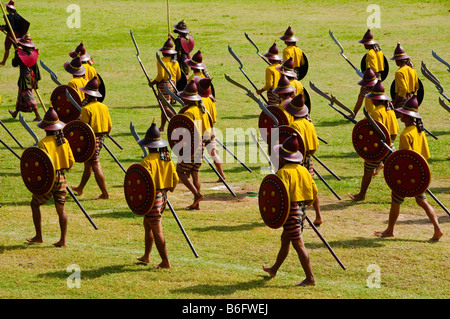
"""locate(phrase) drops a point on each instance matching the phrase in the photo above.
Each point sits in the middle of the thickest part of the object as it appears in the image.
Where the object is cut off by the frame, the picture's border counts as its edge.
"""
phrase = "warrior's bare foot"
(102, 196)
(2, 63)
(144, 259)
(196, 201)
(60, 243)
(306, 282)
(357, 197)
(437, 236)
(163, 264)
(13, 113)
(379, 168)
(270, 271)
(78, 190)
(384, 234)
(317, 222)
(161, 129)
(35, 239)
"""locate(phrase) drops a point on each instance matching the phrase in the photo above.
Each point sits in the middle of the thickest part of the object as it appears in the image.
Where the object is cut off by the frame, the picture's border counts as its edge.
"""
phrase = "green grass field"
(228, 233)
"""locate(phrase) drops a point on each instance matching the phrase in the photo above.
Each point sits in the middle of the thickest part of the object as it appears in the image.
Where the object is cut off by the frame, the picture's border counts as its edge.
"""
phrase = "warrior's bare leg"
(303, 256)
(393, 216)
(36, 211)
(100, 179)
(316, 206)
(5, 57)
(160, 245)
(422, 202)
(62, 215)
(149, 239)
(84, 179)
(365, 182)
(282, 254)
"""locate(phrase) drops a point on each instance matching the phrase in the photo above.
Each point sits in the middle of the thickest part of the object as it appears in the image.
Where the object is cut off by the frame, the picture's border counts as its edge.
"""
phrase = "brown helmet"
(288, 35)
(203, 86)
(168, 47)
(51, 121)
(400, 53)
(283, 86)
(296, 106)
(378, 93)
(25, 41)
(196, 61)
(287, 68)
(92, 87)
(180, 27)
(153, 138)
(369, 79)
(368, 38)
(75, 67)
(80, 50)
(10, 5)
(272, 54)
(410, 108)
(289, 149)
(190, 92)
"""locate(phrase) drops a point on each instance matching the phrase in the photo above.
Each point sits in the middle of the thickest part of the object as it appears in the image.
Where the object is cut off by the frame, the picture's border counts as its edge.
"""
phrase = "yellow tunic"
(290, 118)
(201, 121)
(76, 83)
(61, 155)
(411, 139)
(272, 77)
(368, 104)
(297, 85)
(210, 106)
(193, 75)
(90, 71)
(308, 133)
(406, 81)
(164, 173)
(299, 183)
(380, 114)
(96, 114)
(375, 60)
(172, 66)
(296, 53)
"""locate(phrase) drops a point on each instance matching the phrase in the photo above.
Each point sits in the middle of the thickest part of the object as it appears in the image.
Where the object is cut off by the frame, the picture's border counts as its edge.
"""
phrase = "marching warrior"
(272, 75)
(287, 68)
(86, 60)
(384, 114)
(17, 23)
(292, 50)
(26, 59)
(406, 80)
(95, 114)
(159, 163)
(302, 191)
(285, 91)
(197, 66)
(374, 57)
(78, 71)
(161, 79)
(209, 102)
(368, 81)
(302, 124)
(182, 42)
(185, 169)
(61, 154)
(412, 138)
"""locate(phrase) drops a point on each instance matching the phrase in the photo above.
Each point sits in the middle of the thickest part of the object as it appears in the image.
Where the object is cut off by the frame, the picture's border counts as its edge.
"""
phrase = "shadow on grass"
(228, 228)
(217, 290)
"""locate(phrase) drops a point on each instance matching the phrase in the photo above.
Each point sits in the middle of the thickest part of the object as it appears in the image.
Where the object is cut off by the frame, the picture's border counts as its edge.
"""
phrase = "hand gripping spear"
(383, 139)
(343, 55)
(136, 137)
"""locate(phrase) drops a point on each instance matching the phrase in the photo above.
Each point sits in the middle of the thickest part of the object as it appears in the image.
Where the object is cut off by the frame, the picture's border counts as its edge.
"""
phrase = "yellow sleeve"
(269, 79)
(160, 72)
(401, 86)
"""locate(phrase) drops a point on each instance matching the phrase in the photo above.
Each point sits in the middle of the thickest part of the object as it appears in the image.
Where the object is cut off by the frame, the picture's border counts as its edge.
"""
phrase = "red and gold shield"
(266, 124)
(285, 131)
(183, 136)
(187, 44)
(139, 188)
(273, 200)
(66, 111)
(407, 173)
(37, 170)
(81, 139)
(367, 141)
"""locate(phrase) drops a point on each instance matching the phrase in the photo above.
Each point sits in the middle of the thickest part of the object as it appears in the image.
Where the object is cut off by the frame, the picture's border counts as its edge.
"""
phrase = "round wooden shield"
(273, 200)
(407, 173)
(285, 131)
(38, 172)
(139, 188)
(367, 141)
(307, 99)
(420, 92)
(182, 82)
(101, 88)
(66, 111)
(384, 73)
(181, 129)
(266, 124)
(187, 44)
(302, 70)
(81, 139)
